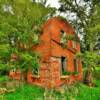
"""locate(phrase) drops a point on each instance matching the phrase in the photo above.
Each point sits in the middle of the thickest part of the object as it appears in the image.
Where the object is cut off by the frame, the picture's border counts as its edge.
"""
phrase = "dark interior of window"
(35, 71)
(75, 65)
(62, 32)
(63, 64)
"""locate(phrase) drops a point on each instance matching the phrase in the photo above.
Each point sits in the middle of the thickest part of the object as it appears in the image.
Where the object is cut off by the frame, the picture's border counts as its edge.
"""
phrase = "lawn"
(89, 93)
(25, 92)
(30, 92)
(97, 73)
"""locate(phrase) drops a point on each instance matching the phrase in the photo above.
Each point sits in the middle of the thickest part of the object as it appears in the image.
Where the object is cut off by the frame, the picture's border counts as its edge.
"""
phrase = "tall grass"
(77, 91)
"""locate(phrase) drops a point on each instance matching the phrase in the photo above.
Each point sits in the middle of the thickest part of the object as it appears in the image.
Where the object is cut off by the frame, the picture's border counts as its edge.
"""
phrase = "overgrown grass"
(29, 92)
(25, 92)
(89, 93)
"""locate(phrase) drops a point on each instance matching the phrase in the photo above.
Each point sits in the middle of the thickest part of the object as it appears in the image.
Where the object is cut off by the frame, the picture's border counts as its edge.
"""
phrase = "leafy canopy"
(21, 21)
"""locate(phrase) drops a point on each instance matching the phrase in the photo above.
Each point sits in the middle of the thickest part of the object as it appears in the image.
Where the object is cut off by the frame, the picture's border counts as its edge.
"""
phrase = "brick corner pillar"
(29, 76)
(80, 76)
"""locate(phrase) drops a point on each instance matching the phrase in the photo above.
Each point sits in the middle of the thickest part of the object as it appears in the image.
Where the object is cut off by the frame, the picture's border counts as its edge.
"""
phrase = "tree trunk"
(88, 75)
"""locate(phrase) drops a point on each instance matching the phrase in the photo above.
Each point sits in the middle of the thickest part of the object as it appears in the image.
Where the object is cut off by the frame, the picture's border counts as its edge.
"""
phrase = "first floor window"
(76, 65)
(35, 71)
(63, 65)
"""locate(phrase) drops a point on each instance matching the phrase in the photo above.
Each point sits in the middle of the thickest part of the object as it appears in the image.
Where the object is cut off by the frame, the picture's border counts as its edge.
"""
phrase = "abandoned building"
(58, 63)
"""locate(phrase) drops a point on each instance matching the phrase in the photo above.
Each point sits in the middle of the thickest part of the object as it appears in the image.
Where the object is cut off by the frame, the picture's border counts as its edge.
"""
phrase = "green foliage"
(4, 57)
(78, 55)
(35, 39)
(68, 37)
(70, 73)
(25, 60)
(4, 78)
(4, 50)
(75, 73)
(28, 60)
(21, 23)
(20, 20)
(93, 27)
(24, 17)
(66, 73)
(90, 59)
(2, 65)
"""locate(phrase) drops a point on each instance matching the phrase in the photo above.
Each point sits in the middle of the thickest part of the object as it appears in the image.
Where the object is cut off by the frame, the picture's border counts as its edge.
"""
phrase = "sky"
(53, 3)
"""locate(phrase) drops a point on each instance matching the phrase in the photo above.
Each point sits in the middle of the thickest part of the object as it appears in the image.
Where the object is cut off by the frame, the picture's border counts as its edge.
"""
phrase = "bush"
(4, 78)
(66, 73)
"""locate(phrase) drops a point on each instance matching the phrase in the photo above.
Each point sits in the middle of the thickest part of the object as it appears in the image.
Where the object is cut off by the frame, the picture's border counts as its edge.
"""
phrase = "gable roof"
(61, 23)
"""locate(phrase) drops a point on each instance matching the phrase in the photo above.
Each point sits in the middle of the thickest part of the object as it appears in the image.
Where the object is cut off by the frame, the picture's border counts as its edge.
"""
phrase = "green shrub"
(66, 73)
(75, 73)
(4, 78)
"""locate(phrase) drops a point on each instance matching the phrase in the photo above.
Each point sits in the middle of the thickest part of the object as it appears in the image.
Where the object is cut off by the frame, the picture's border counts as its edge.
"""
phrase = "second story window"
(74, 44)
(63, 38)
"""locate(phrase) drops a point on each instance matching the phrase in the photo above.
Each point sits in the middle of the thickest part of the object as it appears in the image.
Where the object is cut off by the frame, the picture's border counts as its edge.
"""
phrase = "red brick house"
(57, 60)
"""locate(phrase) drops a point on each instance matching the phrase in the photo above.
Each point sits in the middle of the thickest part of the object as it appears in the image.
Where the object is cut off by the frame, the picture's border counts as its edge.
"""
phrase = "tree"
(80, 12)
(21, 23)
(86, 14)
(92, 28)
